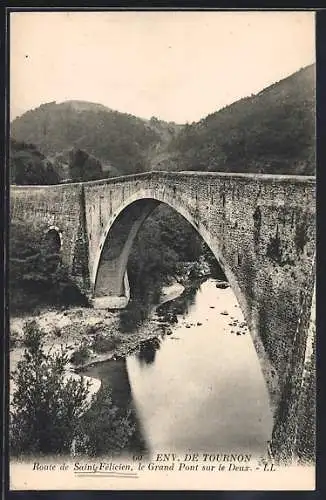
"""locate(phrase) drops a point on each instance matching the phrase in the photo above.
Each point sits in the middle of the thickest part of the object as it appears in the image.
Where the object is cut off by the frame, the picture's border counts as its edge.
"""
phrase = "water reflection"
(147, 351)
(179, 306)
(202, 389)
(114, 374)
(205, 390)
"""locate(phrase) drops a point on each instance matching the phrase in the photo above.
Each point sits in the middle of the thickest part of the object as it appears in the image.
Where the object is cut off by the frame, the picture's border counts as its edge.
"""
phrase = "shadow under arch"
(53, 239)
(109, 277)
(120, 232)
(51, 246)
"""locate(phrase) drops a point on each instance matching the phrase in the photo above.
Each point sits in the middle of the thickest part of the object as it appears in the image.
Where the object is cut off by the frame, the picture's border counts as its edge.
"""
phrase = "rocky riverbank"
(93, 336)
(90, 335)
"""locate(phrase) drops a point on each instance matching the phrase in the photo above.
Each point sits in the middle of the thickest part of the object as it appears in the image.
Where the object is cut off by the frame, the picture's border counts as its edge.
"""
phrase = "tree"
(52, 414)
(84, 167)
(29, 166)
(37, 275)
(104, 429)
(164, 240)
(46, 407)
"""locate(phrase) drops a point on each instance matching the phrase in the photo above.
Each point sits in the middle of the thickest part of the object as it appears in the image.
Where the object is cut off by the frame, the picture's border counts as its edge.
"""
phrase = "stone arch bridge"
(261, 229)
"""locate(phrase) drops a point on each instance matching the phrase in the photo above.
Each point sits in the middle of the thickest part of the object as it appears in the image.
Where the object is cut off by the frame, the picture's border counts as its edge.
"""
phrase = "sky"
(178, 66)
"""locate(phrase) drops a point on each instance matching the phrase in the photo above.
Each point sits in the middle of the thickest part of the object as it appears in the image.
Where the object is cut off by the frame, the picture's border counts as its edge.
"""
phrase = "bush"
(103, 344)
(164, 241)
(80, 356)
(56, 331)
(46, 406)
(105, 429)
(36, 273)
(51, 415)
(84, 167)
(29, 166)
(132, 316)
(92, 329)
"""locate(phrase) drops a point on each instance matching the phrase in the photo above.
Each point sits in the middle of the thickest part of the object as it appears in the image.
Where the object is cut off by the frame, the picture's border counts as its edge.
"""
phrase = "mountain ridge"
(272, 131)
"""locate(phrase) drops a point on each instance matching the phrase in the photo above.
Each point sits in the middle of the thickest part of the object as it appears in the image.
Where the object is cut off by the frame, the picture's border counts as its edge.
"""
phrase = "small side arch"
(53, 238)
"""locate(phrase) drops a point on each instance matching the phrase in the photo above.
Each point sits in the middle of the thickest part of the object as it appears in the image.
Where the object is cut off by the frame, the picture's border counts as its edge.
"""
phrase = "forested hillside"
(28, 166)
(271, 132)
(122, 142)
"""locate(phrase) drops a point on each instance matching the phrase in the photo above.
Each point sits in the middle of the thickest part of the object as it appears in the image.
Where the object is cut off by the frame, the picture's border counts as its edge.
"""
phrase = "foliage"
(36, 274)
(105, 343)
(162, 242)
(46, 406)
(271, 132)
(116, 138)
(133, 315)
(80, 355)
(29, 166)
(51, 412)
(105, 428)
(56, 331)
(84, 167)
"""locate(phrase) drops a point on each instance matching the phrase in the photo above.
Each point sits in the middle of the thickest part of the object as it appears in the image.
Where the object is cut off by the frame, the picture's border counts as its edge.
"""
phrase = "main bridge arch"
(110, 286)
(261, 229)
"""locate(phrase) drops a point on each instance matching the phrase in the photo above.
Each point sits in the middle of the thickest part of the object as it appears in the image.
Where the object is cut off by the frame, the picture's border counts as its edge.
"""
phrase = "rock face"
(261, 229)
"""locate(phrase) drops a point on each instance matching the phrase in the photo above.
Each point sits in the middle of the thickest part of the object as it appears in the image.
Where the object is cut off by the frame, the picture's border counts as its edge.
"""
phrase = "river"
(200, 388)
